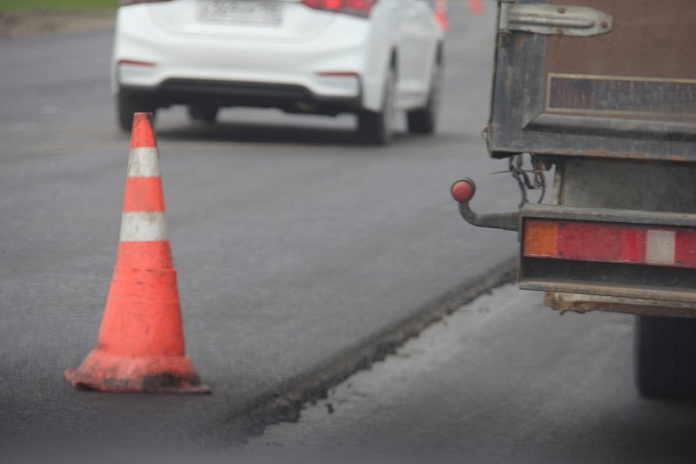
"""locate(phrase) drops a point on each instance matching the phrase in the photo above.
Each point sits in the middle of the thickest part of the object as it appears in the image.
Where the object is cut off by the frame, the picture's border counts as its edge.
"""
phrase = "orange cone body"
(141, 340)
(442, 15)
(476, 6)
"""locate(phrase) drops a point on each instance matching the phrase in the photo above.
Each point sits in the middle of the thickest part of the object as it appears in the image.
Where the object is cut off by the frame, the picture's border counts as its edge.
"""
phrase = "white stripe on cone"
(143, 162)
(143, 227)
(660, 246)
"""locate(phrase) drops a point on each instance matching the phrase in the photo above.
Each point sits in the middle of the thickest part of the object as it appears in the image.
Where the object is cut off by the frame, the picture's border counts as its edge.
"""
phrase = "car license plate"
(266, 12)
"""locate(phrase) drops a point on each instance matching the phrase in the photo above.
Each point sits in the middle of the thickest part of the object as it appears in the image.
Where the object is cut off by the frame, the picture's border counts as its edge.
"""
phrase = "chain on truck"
(601, 96)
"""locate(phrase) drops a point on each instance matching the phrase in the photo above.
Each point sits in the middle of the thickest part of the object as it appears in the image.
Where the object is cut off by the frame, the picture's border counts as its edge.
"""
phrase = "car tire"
(424, 120)
(377, 128)
(665, 357)
(127, 105)
(203, 113)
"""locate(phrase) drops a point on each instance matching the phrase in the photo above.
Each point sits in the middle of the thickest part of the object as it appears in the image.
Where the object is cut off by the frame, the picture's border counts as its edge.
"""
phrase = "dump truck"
(594, 101)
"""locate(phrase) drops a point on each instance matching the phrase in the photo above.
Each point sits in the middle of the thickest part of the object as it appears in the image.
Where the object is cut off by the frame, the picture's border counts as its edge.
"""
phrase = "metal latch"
(577, 21)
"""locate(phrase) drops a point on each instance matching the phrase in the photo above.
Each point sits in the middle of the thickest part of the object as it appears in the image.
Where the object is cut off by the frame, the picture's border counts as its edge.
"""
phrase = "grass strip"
(17, 5)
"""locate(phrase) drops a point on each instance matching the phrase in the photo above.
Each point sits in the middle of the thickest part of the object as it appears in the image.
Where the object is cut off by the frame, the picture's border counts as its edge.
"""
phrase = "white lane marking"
(143, 162)
(143, 227)
(660, 246)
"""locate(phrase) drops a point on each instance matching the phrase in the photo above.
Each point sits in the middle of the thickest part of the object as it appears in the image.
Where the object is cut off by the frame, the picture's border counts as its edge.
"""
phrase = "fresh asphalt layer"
(503, 380)
(294, 243)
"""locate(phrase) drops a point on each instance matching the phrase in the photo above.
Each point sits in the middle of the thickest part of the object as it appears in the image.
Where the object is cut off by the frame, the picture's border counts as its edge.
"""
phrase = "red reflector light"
(610, 243)
(136, 63)
(463, 190)
(352, 7)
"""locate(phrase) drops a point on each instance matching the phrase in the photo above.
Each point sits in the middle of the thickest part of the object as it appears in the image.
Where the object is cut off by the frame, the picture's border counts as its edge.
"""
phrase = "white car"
(368, 57)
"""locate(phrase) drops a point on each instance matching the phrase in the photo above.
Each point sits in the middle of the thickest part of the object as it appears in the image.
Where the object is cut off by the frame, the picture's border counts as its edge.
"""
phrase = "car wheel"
(424, 120)
(203, 113)
(377, 128)
(126, 105)
(665, 357)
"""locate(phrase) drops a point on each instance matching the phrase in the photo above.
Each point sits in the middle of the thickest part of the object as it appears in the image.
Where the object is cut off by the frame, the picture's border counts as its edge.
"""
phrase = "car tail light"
(145, 64)
(338, 74)
(353, 7)
(610, 243)
(135, 2)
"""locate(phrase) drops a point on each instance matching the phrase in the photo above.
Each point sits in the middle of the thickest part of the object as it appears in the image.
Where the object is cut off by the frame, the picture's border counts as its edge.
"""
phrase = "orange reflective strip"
(143, 135)
(143, 194)
(540, 239)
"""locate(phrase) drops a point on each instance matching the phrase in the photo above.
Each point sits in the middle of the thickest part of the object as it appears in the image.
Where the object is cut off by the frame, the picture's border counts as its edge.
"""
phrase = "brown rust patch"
(520, 41)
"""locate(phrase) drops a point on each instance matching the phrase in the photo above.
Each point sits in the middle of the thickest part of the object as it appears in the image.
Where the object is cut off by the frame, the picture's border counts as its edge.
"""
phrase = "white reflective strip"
(143, 162)
(143, 227)
(659, 247)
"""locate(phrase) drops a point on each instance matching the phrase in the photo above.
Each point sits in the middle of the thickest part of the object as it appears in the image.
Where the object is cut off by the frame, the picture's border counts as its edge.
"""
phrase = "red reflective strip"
(589, 242)
(143, 194)
(604, 242)
(685, 248)
(633, 245)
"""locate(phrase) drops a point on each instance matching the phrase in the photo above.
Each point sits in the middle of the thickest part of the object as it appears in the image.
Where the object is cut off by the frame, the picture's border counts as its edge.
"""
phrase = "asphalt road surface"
(503, 380)
(294, 243)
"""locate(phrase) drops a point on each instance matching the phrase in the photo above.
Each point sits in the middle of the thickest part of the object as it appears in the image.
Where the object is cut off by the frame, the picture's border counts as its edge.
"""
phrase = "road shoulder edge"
(16, 24)
(285, 402)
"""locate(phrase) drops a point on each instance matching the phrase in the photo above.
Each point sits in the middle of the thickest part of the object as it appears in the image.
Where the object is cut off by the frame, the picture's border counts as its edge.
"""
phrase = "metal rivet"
(604, 24)
(561, 10)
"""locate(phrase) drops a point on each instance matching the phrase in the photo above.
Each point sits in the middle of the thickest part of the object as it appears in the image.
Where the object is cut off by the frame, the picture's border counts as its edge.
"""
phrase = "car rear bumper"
(288, 97)
(177, 67)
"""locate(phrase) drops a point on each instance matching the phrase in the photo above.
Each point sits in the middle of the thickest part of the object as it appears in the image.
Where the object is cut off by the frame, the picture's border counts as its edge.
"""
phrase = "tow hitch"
(463, 191)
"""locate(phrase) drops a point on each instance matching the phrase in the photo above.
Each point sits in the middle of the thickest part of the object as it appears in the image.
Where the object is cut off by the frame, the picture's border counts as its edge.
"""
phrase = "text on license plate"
(242, 11)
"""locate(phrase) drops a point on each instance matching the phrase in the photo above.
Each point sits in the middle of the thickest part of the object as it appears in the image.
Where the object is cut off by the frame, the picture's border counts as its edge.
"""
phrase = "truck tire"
(665, 357)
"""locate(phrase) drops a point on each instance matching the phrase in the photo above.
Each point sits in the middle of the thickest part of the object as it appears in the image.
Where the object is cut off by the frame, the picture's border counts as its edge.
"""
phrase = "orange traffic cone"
(442, 15)
(476, 6)
(141, 339)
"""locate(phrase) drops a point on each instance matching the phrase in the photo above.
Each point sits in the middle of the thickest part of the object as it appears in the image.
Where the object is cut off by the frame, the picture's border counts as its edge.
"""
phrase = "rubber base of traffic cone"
(123, 374)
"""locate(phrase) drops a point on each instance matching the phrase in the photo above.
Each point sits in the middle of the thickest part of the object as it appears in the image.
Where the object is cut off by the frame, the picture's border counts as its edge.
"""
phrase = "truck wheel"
(665, 357)
(203, 113)
(377, 128)
(424, 120)
(126, 105)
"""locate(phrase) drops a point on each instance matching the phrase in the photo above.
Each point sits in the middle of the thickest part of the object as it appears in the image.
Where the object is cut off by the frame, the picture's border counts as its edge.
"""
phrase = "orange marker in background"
(441, 14)
(141, 339)
(476, 6)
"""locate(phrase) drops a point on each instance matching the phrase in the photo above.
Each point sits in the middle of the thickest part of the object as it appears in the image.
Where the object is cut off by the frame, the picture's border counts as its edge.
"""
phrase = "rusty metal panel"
(580, 303)
(627, 93)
